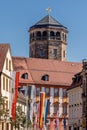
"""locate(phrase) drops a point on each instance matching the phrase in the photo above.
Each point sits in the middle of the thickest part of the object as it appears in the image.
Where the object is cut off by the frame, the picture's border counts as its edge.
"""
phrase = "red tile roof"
(3, 51)
(60, 72)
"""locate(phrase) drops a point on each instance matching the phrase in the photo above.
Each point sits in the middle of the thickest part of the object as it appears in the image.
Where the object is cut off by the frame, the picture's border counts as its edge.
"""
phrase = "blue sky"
(16, 16)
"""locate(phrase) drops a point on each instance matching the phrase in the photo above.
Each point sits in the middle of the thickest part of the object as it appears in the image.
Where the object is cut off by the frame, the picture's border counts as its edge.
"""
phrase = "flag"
(46, 110)
(42, 101)
(15, 95)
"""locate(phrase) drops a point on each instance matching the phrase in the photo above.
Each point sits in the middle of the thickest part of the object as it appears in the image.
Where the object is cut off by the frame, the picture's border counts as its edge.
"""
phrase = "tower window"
(45, 35)
(33, 36)
(41, 52)
(51, 35)
(38, 35)
(63, 36)
(55, 52)
(58, 37)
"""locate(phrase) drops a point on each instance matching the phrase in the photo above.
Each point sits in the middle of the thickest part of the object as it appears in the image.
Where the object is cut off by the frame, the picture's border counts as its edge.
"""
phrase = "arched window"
(58, 37)
(52, 35)
(33, 36)
(25, 76)
(45, 35)
(45, 77)
(38, 35)
(63, 36)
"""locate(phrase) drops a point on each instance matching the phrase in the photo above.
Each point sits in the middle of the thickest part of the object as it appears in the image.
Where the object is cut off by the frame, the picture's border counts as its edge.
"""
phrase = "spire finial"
(48, 10)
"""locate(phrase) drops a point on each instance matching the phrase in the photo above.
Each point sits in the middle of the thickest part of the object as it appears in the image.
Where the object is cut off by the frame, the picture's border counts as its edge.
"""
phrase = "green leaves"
(21, 120)
(4, 113)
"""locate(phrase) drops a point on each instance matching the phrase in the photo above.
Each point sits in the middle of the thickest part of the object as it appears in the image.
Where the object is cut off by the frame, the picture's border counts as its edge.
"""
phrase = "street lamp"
(85, 74)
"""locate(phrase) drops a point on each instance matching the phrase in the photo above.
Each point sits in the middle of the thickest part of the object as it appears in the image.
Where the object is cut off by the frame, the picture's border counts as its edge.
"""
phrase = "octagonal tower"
(48, 39)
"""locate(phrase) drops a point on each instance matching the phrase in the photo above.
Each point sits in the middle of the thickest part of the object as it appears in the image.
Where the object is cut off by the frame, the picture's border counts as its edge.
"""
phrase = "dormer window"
(25, 76)
(45, 78)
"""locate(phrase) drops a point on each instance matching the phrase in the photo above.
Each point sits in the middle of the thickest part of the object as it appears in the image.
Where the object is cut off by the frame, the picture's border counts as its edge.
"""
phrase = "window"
(3, 83)
(32, 36)
(55, 52)
(65, 109)
(6, 84)
(63, 36)
(51, 35)
(58, 37)
(25, 76)
(38, 35)
(56, 108)
(47, 91)
(44, 35)
(37, 91)
(6, 63)
(45, 78)
(56, 92)
(9, 85)
(41, 52)
(64, 92)
(9, 65)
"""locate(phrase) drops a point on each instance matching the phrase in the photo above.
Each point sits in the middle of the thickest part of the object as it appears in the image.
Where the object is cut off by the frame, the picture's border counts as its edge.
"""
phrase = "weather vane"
(48, 10)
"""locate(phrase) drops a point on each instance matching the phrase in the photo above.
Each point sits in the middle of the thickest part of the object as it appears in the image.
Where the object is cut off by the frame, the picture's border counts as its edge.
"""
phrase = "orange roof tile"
(60, 72)
(3, 50)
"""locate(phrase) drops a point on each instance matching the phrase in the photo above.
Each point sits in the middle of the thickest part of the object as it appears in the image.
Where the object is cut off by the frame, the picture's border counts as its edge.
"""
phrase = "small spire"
(48, 10)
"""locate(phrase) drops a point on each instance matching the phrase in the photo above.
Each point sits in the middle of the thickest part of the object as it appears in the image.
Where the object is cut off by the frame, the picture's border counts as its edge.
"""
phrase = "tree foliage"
(4, 112)
(20, 119)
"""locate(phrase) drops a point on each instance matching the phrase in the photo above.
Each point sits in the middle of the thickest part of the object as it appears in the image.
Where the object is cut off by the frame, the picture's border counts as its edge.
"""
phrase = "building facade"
(6, 82)
(7, 88)
(84, 95)
(42, 76)
(74, 94)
